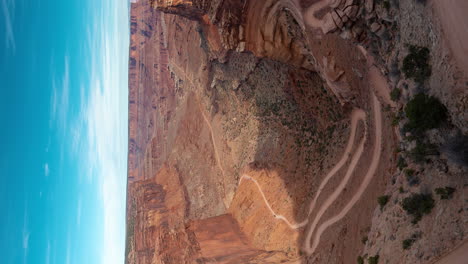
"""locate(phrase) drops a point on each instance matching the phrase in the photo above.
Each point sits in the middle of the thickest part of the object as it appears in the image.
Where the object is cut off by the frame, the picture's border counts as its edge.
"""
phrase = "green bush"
(401, 163)
(374, 259)
(418, 205)
(386, 5)
(395, 94)
(383, 200)
(445, 193)
(407, 243)
(421, 151)
(360, 260)
(424, 112)
(411, 178)
(416, 64)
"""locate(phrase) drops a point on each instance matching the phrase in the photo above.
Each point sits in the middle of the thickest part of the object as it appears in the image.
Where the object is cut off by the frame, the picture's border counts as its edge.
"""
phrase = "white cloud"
(7, 17)
(46, 170)
(105, 117)
(61, 96)
(47, 259)
(78, 213)
(25, 235)
(68, 254)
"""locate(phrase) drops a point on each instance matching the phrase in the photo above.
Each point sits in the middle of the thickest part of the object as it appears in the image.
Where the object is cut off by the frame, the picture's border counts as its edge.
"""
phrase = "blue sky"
(64, 116)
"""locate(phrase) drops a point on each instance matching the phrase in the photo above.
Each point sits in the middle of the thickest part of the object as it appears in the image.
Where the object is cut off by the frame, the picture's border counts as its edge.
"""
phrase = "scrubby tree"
(424, 112)
(416, 64)
(418, 205)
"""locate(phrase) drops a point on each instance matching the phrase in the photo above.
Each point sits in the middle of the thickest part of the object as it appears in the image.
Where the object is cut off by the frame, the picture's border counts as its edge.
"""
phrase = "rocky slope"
(261, 132)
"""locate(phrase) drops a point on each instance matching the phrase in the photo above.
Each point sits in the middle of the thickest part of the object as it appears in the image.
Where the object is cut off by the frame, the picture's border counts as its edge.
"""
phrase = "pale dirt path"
(356, 116)
(377, 81)
(218, 160)
(453, 16)
(457, 256)
(331, 199)
(367, 178)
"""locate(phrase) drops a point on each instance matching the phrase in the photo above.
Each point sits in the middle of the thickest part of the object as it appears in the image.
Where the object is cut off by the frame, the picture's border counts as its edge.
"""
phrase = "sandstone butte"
(265, 131)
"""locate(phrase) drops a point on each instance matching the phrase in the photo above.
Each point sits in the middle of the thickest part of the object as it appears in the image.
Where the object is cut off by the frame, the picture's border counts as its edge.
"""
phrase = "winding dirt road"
(356, 116)
(458, 256)
(367, 179)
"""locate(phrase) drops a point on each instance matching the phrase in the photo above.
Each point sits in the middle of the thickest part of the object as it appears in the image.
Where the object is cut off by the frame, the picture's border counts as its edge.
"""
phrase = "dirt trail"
(457, 256)
(356, 116)
(376, 79)
(338, 190)
(453, 16)
(367, 179)
(218, 160)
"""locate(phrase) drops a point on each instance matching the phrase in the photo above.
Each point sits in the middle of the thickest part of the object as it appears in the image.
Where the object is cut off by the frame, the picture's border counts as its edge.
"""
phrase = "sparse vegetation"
(445, 193)
(364, 239)
(401, 190)
(424, 112)
(418, 205)
(401, 163)
(421, 151)
(383, 200)
(409, 172)
(374, 259)
(416, 64)
(407, 243)
(360, 260)
(395, 94)
(386, 5)
(411, 178)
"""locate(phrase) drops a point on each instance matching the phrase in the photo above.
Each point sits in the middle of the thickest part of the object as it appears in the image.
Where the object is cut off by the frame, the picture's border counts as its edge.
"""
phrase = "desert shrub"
(360, 260)
(364, 239)
(418, 205)
(409, 172)
(401, 163)
(374, 259)
(421, 151)
(397, 117)
(401, 190)
(407, 243)
(411, 178)
(445, 193)
(424, 112)
(456, 149)
(416, 64)
(383, 200)
(386, 5)
(395, 94)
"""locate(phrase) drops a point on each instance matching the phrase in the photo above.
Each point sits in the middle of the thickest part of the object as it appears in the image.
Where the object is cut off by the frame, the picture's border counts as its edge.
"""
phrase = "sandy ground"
(453, 16)
(458, 256)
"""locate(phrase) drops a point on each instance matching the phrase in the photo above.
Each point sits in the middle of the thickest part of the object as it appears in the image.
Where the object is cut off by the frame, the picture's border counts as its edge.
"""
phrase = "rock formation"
(261, 132)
